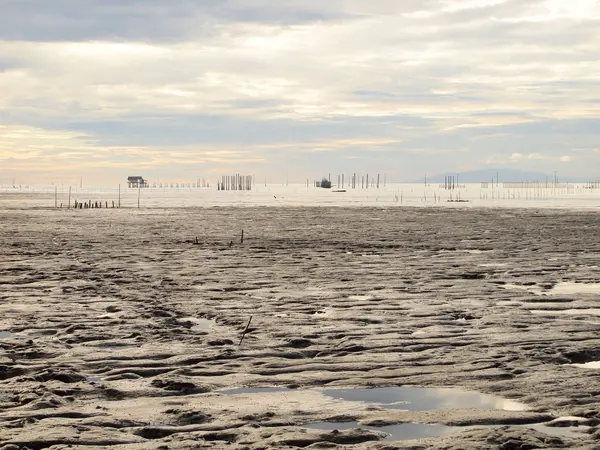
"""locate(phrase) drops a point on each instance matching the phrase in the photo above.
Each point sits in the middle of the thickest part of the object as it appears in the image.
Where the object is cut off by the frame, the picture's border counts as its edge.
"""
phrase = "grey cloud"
(140, 20)
(161, 130)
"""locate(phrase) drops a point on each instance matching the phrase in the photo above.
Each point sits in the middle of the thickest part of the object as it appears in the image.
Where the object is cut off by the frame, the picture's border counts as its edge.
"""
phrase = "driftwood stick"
(245, 331)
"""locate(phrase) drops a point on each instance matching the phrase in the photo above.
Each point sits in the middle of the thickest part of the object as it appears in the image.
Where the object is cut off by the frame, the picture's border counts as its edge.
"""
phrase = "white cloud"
(516, 157)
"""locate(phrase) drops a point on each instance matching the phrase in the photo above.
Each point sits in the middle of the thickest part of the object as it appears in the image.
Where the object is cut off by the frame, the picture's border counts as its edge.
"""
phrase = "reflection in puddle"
(4, 334)
(405, 398)
(424, 399)
(569, 287)
(400, 432)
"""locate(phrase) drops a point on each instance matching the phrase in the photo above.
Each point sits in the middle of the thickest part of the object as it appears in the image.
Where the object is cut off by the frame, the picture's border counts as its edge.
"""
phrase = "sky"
(176, 90)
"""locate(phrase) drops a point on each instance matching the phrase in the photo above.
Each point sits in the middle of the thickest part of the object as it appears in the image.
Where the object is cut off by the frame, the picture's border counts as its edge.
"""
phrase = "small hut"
(136, 182)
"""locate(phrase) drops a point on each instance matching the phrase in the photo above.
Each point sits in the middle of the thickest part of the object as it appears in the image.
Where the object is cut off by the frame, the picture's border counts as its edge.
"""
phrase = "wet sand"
(121, 327)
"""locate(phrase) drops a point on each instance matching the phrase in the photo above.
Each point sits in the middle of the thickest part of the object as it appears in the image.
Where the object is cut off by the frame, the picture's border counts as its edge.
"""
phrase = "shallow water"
(406, 398)
(388, 195)
(424, 399)
(4, 334)
(575, 432)
(569, 287)
(200, 324)
(588, 365)
(530, 289)
(568, 312)
(400, 432)
(243, 391)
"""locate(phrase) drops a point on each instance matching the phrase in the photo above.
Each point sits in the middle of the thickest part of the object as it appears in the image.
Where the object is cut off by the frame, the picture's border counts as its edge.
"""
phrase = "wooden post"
(119, 195)
(69, 207)
(55, 198)
(245, 331)
(139, 194)
(242, 238)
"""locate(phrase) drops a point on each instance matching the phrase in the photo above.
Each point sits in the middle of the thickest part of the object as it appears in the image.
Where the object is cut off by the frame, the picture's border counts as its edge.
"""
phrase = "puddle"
(588, 365)
(94, 379)
(424, 399)
(240, 391)
(508, 303)
(400, 432)
(419, 333)
(562, 432)
(361, 297)
(567, 312)
(4, 334)
(564, 288)
(404, 398)
(533, 289)
(569, 287)
(199, 324)
(408, 431)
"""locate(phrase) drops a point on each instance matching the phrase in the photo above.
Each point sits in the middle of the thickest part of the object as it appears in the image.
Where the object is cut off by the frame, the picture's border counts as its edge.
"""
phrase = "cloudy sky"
(182, 89)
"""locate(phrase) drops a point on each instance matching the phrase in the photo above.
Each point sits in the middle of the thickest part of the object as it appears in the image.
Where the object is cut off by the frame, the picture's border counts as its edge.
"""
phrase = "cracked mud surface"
(103, 345)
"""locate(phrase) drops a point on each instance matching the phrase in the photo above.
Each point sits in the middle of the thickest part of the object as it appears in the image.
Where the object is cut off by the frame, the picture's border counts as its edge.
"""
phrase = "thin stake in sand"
(245, 331)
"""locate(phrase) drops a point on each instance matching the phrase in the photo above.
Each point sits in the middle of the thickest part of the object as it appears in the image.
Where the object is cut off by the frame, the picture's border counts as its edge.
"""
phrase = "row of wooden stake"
(89, 204)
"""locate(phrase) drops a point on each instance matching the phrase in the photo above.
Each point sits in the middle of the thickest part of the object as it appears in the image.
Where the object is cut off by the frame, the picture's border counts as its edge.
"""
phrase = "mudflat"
(123, 328)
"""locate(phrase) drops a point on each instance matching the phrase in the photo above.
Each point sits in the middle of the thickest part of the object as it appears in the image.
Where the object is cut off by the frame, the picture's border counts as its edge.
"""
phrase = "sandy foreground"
(120, 329)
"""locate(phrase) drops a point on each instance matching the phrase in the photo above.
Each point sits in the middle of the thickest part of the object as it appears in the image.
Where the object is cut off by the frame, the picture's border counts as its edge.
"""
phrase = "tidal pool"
(400, 432)
(588, 365)
(568, 287)
(404, 398)
(424, 399)
(198, 324)
(245, 391)
(4, 334)
(562, 288)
